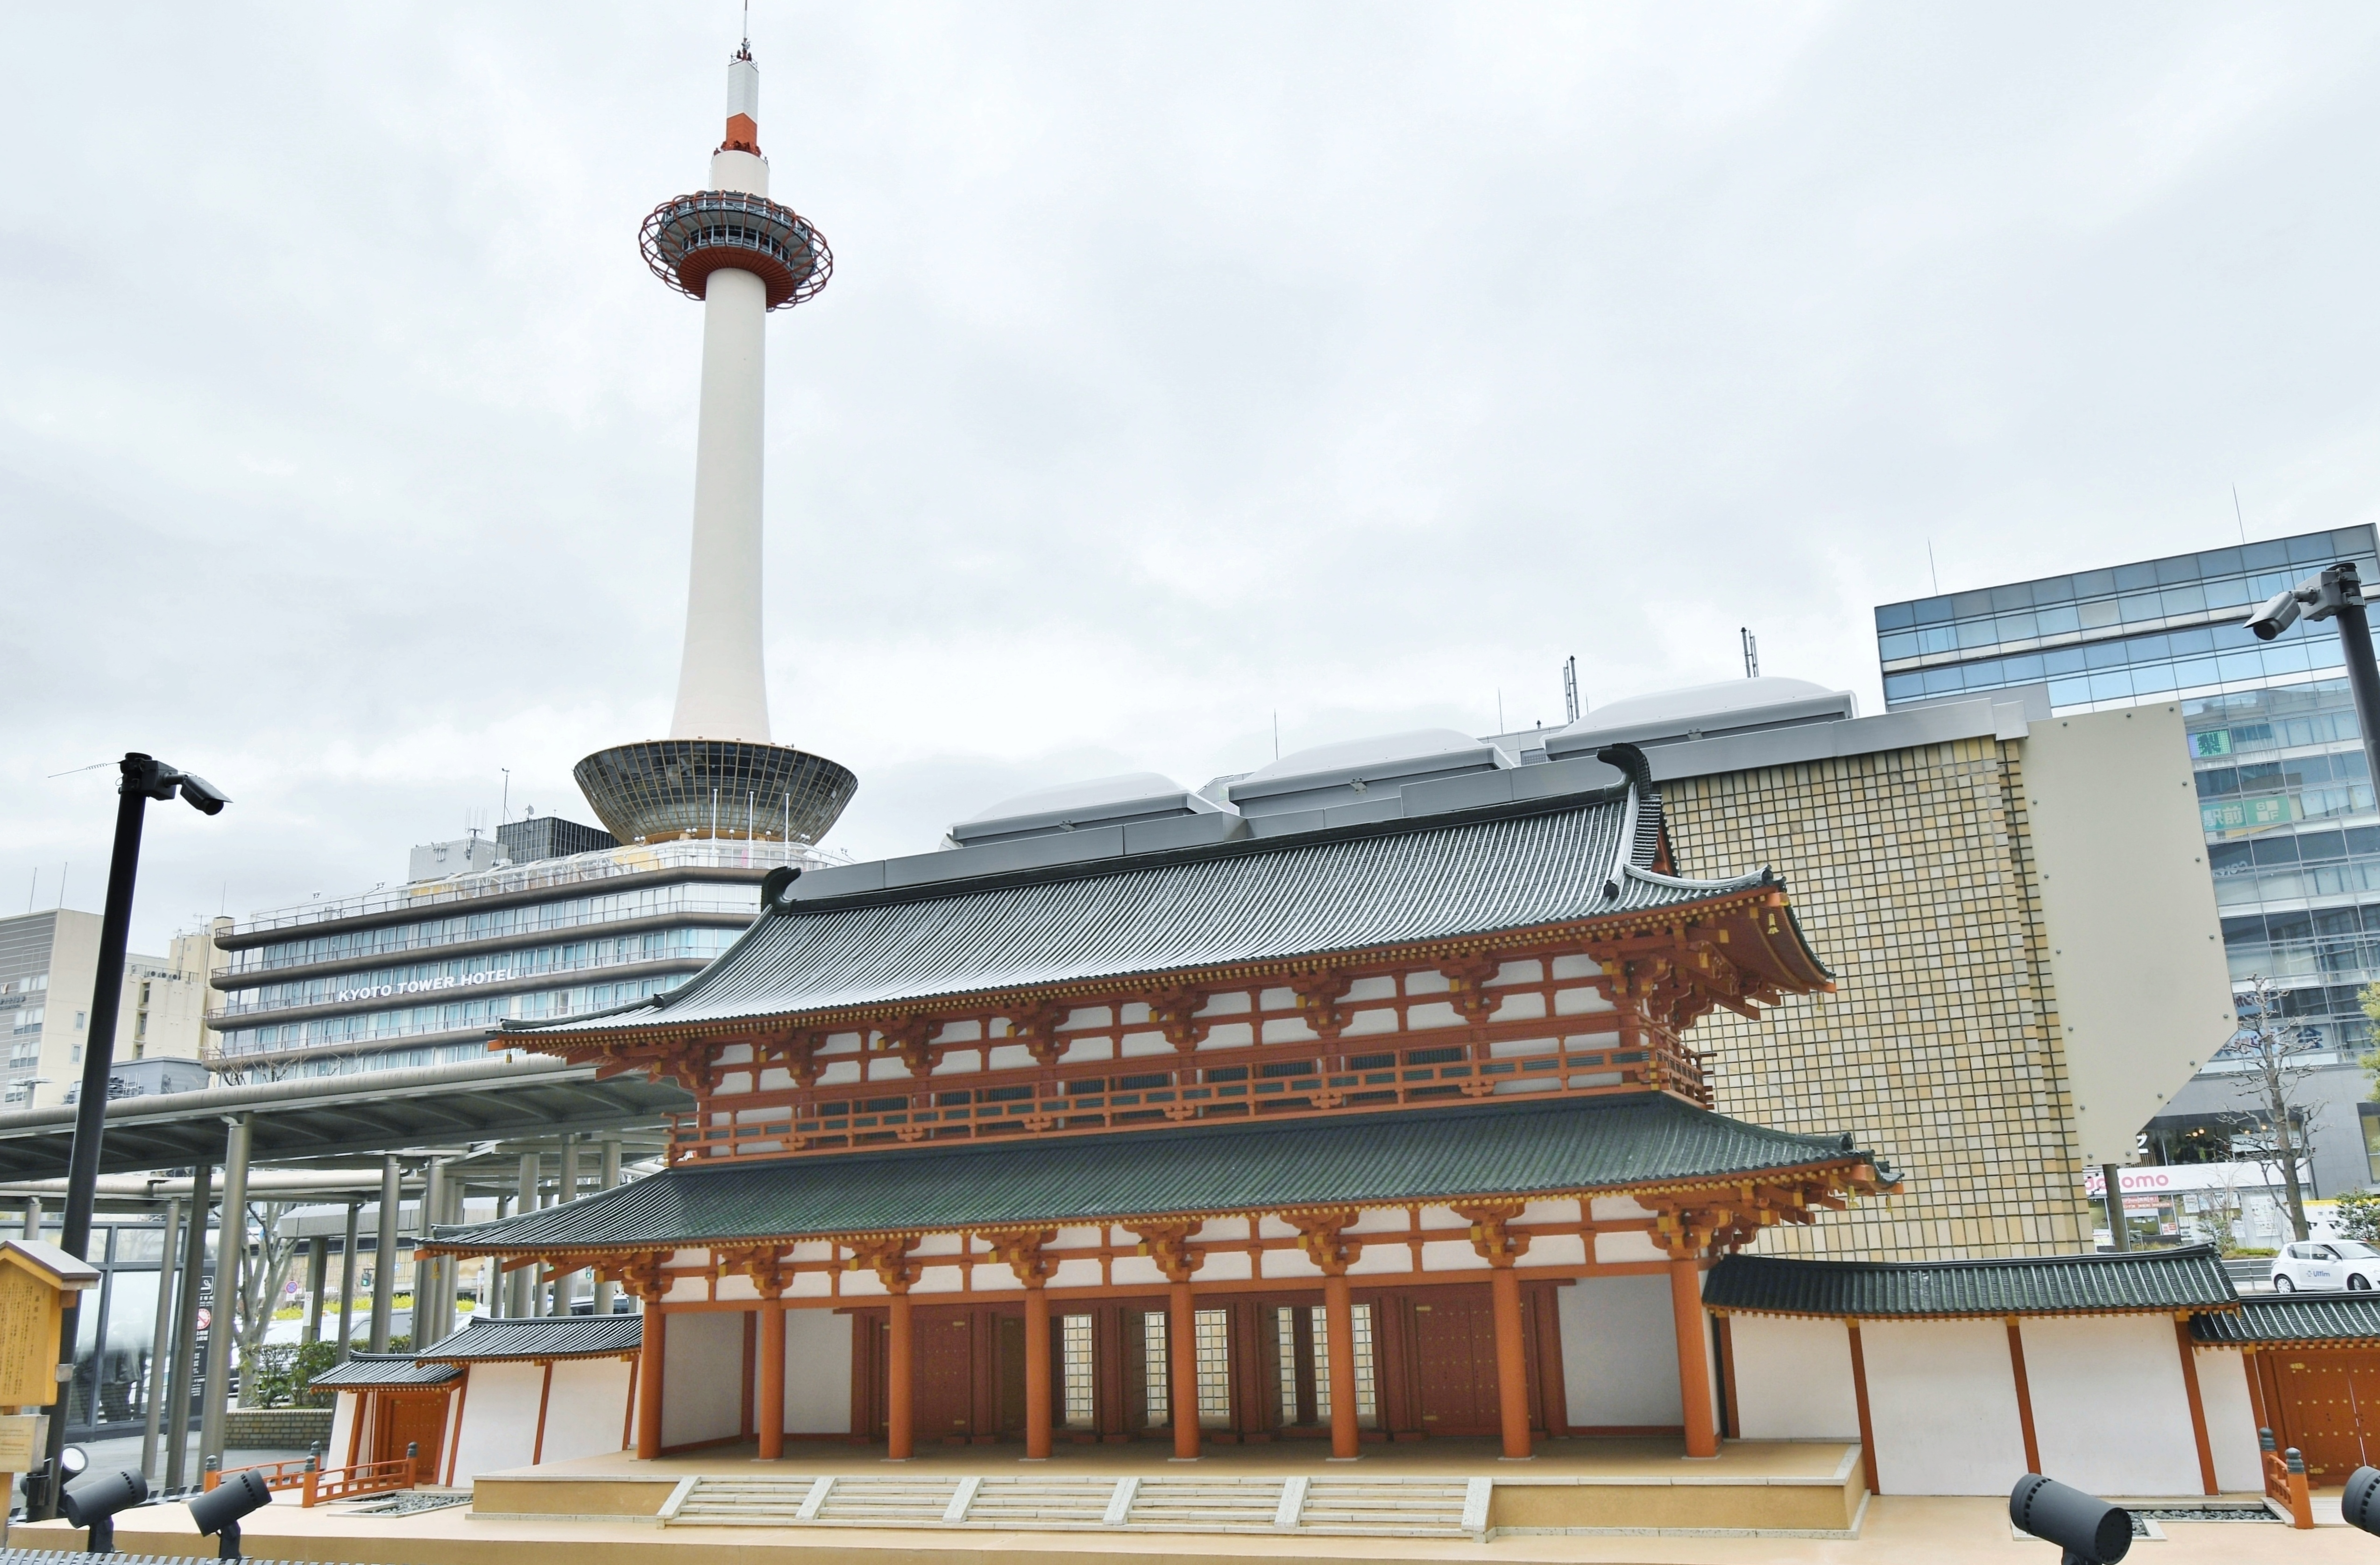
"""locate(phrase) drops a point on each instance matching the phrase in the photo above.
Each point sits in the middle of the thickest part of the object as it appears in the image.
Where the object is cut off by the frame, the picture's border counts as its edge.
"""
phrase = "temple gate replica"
(1136, 1117)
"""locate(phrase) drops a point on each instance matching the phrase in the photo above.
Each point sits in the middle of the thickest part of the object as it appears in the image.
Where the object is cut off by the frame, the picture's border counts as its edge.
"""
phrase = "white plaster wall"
(499, 1418)
(818, 1373)
(1941, 1396)
(343, 1427)
(2230, 1421)
(2109, 1406)
(587, 1411)
(1620, 1352)
(702, 1374)
(1793, 1379)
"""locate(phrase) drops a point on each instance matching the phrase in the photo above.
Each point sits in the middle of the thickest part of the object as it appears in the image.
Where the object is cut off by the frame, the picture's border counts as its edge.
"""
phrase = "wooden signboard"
(35, 1282)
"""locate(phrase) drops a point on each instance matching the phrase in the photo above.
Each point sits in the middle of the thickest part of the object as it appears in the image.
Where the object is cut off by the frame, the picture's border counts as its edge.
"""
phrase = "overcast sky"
(1182, 365)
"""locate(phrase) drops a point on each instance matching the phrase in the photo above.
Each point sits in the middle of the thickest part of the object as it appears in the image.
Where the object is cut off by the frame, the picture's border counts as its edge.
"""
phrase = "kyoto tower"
(718, 774)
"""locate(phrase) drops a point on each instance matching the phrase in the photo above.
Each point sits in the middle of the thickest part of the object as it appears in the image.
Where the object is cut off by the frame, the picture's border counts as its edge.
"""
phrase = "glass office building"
(2284, 794)
(422, 974)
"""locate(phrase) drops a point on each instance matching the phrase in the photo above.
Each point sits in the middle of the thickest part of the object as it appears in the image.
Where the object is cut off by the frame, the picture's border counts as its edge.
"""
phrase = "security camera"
(2091, 1531)
(203, 795)
(93, 1502)
(2279, 613)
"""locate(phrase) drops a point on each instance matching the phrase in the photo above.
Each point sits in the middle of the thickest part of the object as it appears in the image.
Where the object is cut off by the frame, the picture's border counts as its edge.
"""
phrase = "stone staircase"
(1403, 1508)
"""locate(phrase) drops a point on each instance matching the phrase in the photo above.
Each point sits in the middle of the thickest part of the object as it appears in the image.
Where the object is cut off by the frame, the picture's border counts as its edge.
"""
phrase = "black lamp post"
(143, 778)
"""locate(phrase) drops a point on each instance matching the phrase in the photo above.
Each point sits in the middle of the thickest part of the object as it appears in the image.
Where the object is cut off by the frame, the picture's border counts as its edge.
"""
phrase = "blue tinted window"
(1938, 638)
(2185, 641)
(2019, 596)
(2286, 658)
(1902, 646)
(2062, 660)
(1978, 633)
(2265, 556)
(2322, 844)
(2182, 600)
(2113, 686)
(2199, 670)
(2140, 606)
(2020, 671)
(2147, 649)
(2228, 594)
(2315, 550)
(2069, 692)
(2350, 541)
(2325, 652)
(2105, 654)
(1904, 687)
(2056, 590)
(1966, 605)
(2154, 680)
(1931, 611)
(1945, 681)
(1894, 617)
(2059, 621)
(2217, 782)
(2274, 850)
(2132, 578)
(2094, 584)
(2176, 569)
(2016, 627)
(2242, 665)
(2220, 562)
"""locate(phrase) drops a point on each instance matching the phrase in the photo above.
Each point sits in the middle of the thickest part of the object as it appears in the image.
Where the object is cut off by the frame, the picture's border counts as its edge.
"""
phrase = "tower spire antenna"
(744, 51)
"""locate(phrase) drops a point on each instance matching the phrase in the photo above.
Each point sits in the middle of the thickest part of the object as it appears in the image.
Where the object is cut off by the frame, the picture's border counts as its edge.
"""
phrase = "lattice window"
(1214, 1347)
(1367, 1402)
(1157, 1368)
(1075, 1371)
(1284, 1327)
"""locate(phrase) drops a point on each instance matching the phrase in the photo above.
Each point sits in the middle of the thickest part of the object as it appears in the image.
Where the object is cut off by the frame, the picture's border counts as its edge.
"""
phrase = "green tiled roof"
(1506, 1149)
(385, 1369)
(2189, 1278)
(2295, 1317)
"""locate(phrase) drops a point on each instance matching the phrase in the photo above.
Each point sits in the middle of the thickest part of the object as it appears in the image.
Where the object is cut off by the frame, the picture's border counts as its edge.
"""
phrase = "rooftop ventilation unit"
(1072, 806)
(1703, 711)
(1362, 770)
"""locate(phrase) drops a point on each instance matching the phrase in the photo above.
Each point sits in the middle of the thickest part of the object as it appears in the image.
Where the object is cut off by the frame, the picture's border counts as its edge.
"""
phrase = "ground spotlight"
(93, 1502)
(219, 1509)
(2091, 1531)
(2360, 1504)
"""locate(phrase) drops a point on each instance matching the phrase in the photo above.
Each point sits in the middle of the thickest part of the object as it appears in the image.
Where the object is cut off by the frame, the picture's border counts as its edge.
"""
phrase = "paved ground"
(1899, 1532)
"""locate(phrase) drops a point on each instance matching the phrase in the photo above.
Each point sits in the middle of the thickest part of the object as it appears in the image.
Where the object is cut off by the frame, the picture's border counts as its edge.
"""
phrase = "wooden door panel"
(943, 1343)
(415, 1419)
(1454, 1331)
(2319, 1389)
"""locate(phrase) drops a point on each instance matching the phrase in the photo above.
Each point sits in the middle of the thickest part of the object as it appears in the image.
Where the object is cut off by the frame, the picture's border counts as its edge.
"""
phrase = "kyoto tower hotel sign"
(718, 774)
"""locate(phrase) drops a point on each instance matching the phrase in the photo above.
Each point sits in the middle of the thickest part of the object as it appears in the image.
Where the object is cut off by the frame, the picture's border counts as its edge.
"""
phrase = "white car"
(2325, 1264)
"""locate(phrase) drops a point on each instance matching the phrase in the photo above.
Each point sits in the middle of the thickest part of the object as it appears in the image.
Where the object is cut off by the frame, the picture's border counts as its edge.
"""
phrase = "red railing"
(2285, 1481)
(338, 1482)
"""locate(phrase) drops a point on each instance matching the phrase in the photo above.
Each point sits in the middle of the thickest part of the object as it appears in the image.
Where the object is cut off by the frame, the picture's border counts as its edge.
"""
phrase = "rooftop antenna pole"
(504, 811)
(1751, 652)
(1931, 569)
(1570, 688)
(2239, 515)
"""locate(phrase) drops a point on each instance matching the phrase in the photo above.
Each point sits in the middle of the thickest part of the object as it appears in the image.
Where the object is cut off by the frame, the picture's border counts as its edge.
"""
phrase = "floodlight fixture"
(2359, 1502)
(93, 1502)
(2091, 1531)
(219, 1509)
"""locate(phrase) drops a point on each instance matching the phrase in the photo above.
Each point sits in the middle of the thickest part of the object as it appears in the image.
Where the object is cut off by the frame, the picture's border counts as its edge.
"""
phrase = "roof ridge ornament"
(1648, 835)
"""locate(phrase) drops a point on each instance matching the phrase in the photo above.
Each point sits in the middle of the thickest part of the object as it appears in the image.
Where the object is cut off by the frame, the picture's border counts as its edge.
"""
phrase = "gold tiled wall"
(1910, 871)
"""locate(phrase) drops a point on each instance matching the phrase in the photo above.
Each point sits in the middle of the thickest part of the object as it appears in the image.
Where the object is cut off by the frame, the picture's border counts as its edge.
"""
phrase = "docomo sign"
(423, 986)
(2151, 1182)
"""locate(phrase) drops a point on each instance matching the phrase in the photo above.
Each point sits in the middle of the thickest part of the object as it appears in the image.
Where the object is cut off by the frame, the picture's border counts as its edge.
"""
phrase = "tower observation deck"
(719, 773)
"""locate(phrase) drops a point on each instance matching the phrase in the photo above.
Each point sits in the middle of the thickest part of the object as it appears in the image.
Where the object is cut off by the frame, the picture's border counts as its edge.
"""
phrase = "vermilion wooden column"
(649, 1382)
(1181, 1354)
(1036, 1373)
(1339, 1330)
(899, 1436)
(1512, 1363)
(771, 1411)
(1694, 1357)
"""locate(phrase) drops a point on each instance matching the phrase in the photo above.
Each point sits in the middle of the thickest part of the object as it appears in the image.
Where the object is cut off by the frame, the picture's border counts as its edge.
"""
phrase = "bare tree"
(2273, 1084)
(261, 1280)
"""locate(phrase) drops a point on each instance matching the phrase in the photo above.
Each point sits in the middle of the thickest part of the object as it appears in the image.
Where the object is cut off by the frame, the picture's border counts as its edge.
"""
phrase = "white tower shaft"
(722, 683)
